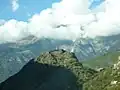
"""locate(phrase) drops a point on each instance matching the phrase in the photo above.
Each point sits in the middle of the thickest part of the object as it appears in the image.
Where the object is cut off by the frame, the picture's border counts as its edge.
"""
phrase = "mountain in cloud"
(15, 55)
(72, 27)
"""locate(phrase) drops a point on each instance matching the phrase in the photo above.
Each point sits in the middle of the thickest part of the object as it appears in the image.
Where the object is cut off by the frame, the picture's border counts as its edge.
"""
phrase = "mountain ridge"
(54, 70)
(18, 54)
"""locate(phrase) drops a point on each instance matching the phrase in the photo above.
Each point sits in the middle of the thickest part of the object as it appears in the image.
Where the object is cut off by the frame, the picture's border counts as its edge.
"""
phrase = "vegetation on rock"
(108, 79)
(69, 61)
(55, 70)
(61, 70)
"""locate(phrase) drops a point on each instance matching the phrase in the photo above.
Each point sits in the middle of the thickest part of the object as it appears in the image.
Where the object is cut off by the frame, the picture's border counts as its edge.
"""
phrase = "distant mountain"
(13, 56)
(54, 70)
(87, 48)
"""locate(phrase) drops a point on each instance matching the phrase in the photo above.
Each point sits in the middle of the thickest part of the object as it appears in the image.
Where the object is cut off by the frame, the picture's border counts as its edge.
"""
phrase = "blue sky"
(95, 3)
(27, 8)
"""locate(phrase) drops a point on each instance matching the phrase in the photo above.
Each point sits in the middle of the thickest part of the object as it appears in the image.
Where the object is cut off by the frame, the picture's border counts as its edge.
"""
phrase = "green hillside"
(108, 79)
(61, 70)
(102, 61)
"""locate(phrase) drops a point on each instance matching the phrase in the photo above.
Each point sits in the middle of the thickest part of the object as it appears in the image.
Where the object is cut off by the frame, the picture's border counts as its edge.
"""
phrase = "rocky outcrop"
(13, 56)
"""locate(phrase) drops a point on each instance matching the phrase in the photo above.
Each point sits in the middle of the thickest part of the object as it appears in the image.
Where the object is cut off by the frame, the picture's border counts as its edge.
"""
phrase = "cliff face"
(55, 70)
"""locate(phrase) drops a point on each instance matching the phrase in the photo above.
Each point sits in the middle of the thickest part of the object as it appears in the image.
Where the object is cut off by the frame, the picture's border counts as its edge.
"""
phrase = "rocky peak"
(54, 70)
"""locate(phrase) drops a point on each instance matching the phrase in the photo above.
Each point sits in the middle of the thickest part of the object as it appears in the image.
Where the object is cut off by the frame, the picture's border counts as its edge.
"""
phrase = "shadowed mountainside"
(55, 70)
(36, 76)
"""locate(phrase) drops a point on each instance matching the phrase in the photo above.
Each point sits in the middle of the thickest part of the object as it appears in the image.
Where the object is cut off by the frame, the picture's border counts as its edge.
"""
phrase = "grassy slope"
(104, 79)
(102, 61)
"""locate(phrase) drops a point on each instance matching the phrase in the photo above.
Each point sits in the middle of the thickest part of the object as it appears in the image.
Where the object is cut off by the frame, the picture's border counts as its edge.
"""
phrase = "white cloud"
(109, 21)
(13, 30)
(74, 14)
(15, 5)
